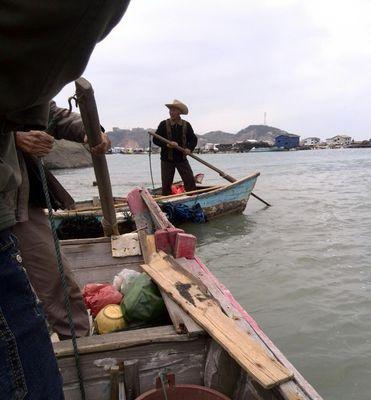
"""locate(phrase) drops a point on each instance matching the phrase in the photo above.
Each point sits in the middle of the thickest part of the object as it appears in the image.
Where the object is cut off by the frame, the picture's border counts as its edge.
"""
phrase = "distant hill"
(216, 137)
(66, 154)
(255, 132)
(260, 133)
(138, 137)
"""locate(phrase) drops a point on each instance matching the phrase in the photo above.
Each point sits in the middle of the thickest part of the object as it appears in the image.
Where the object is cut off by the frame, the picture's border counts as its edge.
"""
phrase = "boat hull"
(194, 356)
(231, 198)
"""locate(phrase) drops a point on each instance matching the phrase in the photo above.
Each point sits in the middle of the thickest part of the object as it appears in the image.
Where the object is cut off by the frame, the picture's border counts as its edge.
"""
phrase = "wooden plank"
(182, 322)
(93, 261)
(198, 191)
(125, 245)
(207, 313)
(85, 241)
(159, 218)
(119, 340)
(145, 225)
(131, 379)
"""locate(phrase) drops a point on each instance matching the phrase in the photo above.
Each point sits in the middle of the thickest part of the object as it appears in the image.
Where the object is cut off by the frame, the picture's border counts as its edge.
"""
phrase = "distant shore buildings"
(254, 138)
(339, 141)
(311, 141)
(287, 141)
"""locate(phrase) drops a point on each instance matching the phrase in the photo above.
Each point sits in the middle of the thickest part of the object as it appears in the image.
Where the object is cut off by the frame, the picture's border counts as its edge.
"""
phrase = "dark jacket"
(62, 125)
(44, 46)
(181, 132)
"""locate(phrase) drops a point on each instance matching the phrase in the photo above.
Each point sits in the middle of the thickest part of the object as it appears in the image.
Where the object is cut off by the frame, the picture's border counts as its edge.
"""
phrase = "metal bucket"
(180, 392)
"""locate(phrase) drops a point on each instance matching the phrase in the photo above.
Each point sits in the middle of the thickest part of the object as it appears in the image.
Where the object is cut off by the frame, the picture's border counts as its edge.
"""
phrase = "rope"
(164, 381)
(150, 159)
(63, 277)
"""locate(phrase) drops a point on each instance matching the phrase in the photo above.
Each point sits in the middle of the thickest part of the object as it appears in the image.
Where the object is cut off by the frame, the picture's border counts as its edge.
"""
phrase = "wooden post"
(90, 119)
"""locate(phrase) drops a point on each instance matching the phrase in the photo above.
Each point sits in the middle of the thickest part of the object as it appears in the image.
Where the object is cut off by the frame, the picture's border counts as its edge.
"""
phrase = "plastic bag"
(99, 295)
(124, 279)
(177, 189)
(143, 301)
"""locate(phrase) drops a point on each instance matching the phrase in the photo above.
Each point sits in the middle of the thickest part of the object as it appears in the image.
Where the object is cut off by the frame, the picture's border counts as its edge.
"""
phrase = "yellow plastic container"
(110, 319)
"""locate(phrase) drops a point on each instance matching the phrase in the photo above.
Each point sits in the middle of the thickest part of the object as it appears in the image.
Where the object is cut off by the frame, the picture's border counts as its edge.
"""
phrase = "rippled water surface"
(302, 267)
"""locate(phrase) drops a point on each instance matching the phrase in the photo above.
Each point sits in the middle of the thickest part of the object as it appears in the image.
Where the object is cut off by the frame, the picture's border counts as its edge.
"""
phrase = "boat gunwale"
(227, 186)
(122, 340)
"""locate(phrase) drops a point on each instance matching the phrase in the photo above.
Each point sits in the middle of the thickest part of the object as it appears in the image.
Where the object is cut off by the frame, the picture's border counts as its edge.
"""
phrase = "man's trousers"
(39, 259)
(185, 172)
(28, 368)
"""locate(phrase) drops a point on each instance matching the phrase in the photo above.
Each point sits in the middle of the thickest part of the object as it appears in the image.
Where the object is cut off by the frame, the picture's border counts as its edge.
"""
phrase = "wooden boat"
(217, 200)
(192, 351)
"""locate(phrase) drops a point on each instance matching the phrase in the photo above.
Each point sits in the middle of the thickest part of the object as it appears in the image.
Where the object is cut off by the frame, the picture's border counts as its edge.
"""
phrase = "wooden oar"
(219, 171)
(90, 119)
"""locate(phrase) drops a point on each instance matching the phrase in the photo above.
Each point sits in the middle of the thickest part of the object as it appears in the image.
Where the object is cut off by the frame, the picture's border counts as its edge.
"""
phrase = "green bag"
(143, 301)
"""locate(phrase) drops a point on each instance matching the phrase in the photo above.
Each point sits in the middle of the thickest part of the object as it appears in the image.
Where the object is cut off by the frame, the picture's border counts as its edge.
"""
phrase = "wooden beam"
(159, 218)
(252, 357)
(90, 119)
(198, 191)
(143, 216)
(119, 340)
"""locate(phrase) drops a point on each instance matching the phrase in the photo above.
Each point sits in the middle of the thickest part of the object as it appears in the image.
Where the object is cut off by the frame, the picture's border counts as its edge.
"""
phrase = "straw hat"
(179, 105)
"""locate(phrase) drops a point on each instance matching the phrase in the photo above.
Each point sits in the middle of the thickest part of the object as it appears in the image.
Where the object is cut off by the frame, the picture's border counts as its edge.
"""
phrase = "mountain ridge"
(138, 137)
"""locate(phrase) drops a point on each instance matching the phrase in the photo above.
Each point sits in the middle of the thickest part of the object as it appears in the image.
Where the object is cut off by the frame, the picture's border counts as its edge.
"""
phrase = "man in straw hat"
(179, 132)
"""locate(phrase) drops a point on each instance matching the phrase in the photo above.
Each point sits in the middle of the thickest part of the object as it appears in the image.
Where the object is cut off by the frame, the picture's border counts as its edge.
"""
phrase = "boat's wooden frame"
(220, 200)
(215, 200)
(194, 357)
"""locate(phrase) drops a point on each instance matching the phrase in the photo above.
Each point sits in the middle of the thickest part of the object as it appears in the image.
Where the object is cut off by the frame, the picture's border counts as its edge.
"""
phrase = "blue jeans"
(28, 368)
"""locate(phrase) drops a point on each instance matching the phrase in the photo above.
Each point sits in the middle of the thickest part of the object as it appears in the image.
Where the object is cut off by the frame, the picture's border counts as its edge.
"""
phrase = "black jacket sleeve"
(161, 130)
(191, 137)
(66, 125)
(44, 46)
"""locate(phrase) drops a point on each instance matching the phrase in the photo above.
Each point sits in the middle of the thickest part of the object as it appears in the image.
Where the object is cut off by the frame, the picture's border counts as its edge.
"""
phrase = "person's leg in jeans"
(167, 176)
(39, 259)
(28, 368)
(186, 173)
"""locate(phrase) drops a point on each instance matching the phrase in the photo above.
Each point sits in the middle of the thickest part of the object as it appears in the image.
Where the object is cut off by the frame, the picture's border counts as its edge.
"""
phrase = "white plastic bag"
(124, 279)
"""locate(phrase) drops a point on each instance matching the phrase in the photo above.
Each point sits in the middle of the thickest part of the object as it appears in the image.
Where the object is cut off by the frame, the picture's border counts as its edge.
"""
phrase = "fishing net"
(80, 227)
(182, 213)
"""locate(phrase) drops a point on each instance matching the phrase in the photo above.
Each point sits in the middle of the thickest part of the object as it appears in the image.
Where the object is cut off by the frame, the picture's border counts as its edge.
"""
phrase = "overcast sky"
(306, 63)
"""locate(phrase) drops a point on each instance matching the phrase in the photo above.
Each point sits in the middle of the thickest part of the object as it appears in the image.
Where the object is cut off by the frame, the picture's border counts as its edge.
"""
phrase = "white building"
(311, 141)
(339, 141)
(211, 147)
(116, 150)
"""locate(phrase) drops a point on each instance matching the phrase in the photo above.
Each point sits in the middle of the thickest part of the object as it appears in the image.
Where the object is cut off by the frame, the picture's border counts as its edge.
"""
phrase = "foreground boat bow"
(194, 357)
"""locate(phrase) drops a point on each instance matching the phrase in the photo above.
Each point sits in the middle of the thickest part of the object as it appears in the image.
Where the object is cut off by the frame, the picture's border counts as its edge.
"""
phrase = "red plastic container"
(181, 392)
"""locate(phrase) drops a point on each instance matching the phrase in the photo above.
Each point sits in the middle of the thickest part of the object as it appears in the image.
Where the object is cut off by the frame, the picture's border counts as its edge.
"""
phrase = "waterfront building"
(211, 148)
(311, 141)
(287, 141)
(339, 141)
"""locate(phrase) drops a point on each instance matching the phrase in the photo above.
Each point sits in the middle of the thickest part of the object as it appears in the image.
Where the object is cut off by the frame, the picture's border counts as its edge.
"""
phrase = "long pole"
(219, 171)
(90, 119)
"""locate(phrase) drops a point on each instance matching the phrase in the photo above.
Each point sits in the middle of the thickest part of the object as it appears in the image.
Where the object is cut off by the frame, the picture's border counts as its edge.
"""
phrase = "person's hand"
(37, 143)
(102, 147)
(172, 144)
(187, 152)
